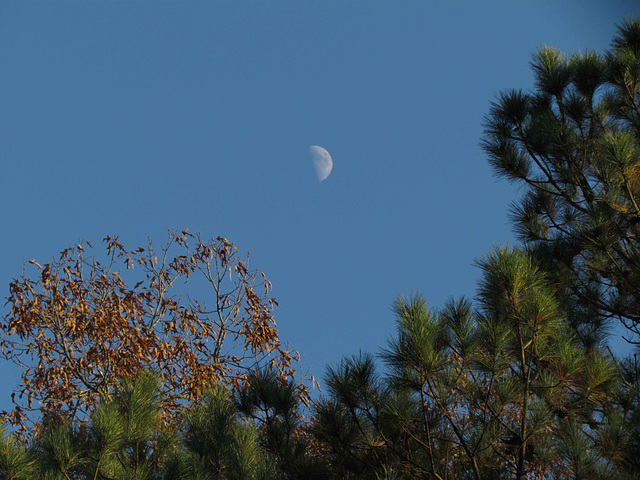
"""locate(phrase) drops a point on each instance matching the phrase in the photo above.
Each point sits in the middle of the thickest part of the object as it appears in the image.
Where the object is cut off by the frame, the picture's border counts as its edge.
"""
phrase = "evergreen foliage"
(255, 435)
(273, 404)
(504, 391)
(573, 143)
(16, 463)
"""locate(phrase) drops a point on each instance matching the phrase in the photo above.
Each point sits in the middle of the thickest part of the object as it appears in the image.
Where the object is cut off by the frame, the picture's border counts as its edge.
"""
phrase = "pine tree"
(125, 438)
(273, 404)
(502, 391)
(573, 143)
(122, 438)
(16, 462)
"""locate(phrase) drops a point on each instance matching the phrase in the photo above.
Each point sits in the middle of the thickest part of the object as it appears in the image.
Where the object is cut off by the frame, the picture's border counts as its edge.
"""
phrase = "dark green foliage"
(504, 391)
(60, 452)
(125, 438)
(16, 463)
(220, 445)
(122, 438)
(574, 143)
(273, 405)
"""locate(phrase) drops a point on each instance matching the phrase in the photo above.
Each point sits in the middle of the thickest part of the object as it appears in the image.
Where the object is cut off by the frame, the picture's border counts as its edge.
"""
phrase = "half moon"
(322, 162)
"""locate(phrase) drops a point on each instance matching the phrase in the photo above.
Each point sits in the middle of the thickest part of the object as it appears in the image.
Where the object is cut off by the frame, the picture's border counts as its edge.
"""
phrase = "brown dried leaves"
(77, 327)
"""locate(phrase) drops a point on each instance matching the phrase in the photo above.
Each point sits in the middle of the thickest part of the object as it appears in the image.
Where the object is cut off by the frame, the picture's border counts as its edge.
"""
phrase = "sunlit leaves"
(550, 67)
(81, 322)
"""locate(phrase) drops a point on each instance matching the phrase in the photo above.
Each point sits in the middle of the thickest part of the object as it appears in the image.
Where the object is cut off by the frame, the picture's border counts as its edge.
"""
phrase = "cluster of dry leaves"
(80, 325)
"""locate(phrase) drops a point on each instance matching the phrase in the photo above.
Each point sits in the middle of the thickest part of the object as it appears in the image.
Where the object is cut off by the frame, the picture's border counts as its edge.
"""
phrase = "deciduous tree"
(81, 323)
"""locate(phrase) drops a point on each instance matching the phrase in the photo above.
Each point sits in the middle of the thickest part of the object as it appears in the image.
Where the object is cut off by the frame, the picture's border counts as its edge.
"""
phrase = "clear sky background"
(130, 117)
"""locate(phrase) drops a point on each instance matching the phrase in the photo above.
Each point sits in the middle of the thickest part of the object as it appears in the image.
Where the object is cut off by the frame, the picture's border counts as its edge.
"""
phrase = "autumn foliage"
(80, 324)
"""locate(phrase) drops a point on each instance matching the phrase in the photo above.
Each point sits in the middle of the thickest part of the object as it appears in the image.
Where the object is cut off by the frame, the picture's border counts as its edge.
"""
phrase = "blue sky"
(132, 117)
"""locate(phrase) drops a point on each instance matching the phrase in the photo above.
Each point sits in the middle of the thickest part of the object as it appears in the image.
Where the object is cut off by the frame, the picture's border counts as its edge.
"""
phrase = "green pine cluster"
(504, 391)
(251, 435)
(520, 383)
